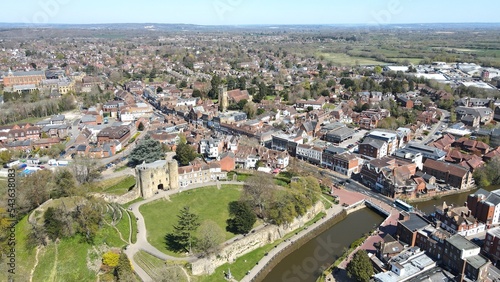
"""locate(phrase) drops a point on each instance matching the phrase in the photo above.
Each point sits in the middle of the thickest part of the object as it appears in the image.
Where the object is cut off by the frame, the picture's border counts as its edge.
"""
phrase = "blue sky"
(237, 12)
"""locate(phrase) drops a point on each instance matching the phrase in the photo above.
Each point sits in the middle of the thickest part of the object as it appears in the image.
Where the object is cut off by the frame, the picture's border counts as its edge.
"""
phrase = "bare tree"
(85, 170)
(258, 191)
(211, 236)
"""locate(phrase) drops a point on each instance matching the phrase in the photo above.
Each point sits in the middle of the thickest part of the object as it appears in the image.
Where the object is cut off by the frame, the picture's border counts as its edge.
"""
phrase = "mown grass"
(208, 203)
(344, 59)
(121, 187)
(245, 263)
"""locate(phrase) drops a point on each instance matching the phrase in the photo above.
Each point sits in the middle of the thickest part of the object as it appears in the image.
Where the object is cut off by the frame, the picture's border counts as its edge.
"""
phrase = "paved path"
(335, 210)
(142, 243)
(388, 226)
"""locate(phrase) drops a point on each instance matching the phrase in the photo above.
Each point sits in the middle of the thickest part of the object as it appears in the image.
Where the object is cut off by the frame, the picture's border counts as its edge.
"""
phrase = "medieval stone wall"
(236, 248)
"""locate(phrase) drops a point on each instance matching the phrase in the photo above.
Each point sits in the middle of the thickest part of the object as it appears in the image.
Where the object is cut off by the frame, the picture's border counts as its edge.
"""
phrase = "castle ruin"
(159, 175)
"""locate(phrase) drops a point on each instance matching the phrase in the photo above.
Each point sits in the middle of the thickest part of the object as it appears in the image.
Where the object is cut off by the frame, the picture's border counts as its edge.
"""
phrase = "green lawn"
(208, 203)
(70, 263)
(153, 266)
(344, 59)
(116, 186)
(25, 255)
(121, 187)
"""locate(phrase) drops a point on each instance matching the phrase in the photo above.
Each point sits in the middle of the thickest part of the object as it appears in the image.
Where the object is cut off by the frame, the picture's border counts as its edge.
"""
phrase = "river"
(428, 207)
(306, 263)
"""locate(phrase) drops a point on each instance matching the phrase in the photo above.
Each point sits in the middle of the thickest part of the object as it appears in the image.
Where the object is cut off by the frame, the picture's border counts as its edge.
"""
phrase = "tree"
(159, 89)
(211, 236)
(187, 224)
(196, 93)
(123, 270)
(65, 184)
(243, 217)
(250, 109)
(360, 267)
(5, 157)
(111, 259)
(88, 219)
(85, 169)
(283, 209)
(488, 174)
(140, 127)
(53, 226)
(185, 154)
(36, 190)
(148, 150)
(378, 69)
(257, 191)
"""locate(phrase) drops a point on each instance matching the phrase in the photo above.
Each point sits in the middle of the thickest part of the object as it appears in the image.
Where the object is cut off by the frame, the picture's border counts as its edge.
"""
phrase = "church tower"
(223, 99)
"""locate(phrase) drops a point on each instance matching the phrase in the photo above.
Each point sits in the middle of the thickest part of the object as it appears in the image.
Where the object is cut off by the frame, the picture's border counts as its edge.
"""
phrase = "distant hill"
(192, 27)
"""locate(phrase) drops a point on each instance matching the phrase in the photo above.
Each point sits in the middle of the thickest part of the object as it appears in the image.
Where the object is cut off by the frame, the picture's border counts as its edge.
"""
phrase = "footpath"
(142, 243)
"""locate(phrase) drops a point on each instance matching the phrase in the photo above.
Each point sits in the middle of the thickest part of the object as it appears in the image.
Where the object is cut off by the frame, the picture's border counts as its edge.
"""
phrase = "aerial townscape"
(178, 152)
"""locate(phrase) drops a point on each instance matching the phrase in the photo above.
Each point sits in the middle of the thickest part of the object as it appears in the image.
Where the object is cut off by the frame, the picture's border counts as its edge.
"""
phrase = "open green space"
(208, 203)
(68, 259)
(115, 186)
(344, 59)
(64, 261)
(121, 187)
(155, 267)
(246, 262)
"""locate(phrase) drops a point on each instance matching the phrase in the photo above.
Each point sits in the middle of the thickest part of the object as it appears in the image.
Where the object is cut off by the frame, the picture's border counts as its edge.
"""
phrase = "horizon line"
(257, 24)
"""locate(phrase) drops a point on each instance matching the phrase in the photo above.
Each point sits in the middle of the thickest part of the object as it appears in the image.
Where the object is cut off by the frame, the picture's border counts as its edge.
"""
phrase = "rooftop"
(461, 243)
(416, 222)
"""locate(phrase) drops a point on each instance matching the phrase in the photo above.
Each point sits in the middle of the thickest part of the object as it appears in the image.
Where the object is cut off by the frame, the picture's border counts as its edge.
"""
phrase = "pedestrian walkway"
(264, 262)
(142, 243)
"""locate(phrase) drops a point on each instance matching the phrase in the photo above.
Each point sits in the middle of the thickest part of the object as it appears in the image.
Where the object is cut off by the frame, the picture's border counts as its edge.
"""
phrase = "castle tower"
(173, 175)
(223, 99)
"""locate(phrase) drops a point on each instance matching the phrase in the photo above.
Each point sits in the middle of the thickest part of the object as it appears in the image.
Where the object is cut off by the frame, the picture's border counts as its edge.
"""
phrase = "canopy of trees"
(360, 268)
(276, 205)
(148, 150)
(243, 217)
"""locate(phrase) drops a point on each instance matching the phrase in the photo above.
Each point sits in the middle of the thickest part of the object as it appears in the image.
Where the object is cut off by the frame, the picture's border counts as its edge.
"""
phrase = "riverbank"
(349, 202)
(441, 194)
(337, 272)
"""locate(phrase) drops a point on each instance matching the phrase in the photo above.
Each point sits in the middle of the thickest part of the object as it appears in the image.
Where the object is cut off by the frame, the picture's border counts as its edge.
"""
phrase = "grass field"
(115, 186)
(154, 266)
(244, 263)
(208, 203)
(346, 60)
(68, 259)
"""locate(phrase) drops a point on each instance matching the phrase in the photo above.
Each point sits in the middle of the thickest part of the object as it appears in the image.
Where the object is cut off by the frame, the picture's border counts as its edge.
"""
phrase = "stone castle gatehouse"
(158, 175)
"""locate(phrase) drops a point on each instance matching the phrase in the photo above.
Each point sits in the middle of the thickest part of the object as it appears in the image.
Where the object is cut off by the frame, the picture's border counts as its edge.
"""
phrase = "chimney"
(438, 224)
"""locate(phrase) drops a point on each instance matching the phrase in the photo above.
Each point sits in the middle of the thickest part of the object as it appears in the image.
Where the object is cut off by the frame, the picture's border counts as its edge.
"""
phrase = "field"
(208, 203)
(346, 60)
(115, 186)
(246, 262)
(155, 267)
(69, 258)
